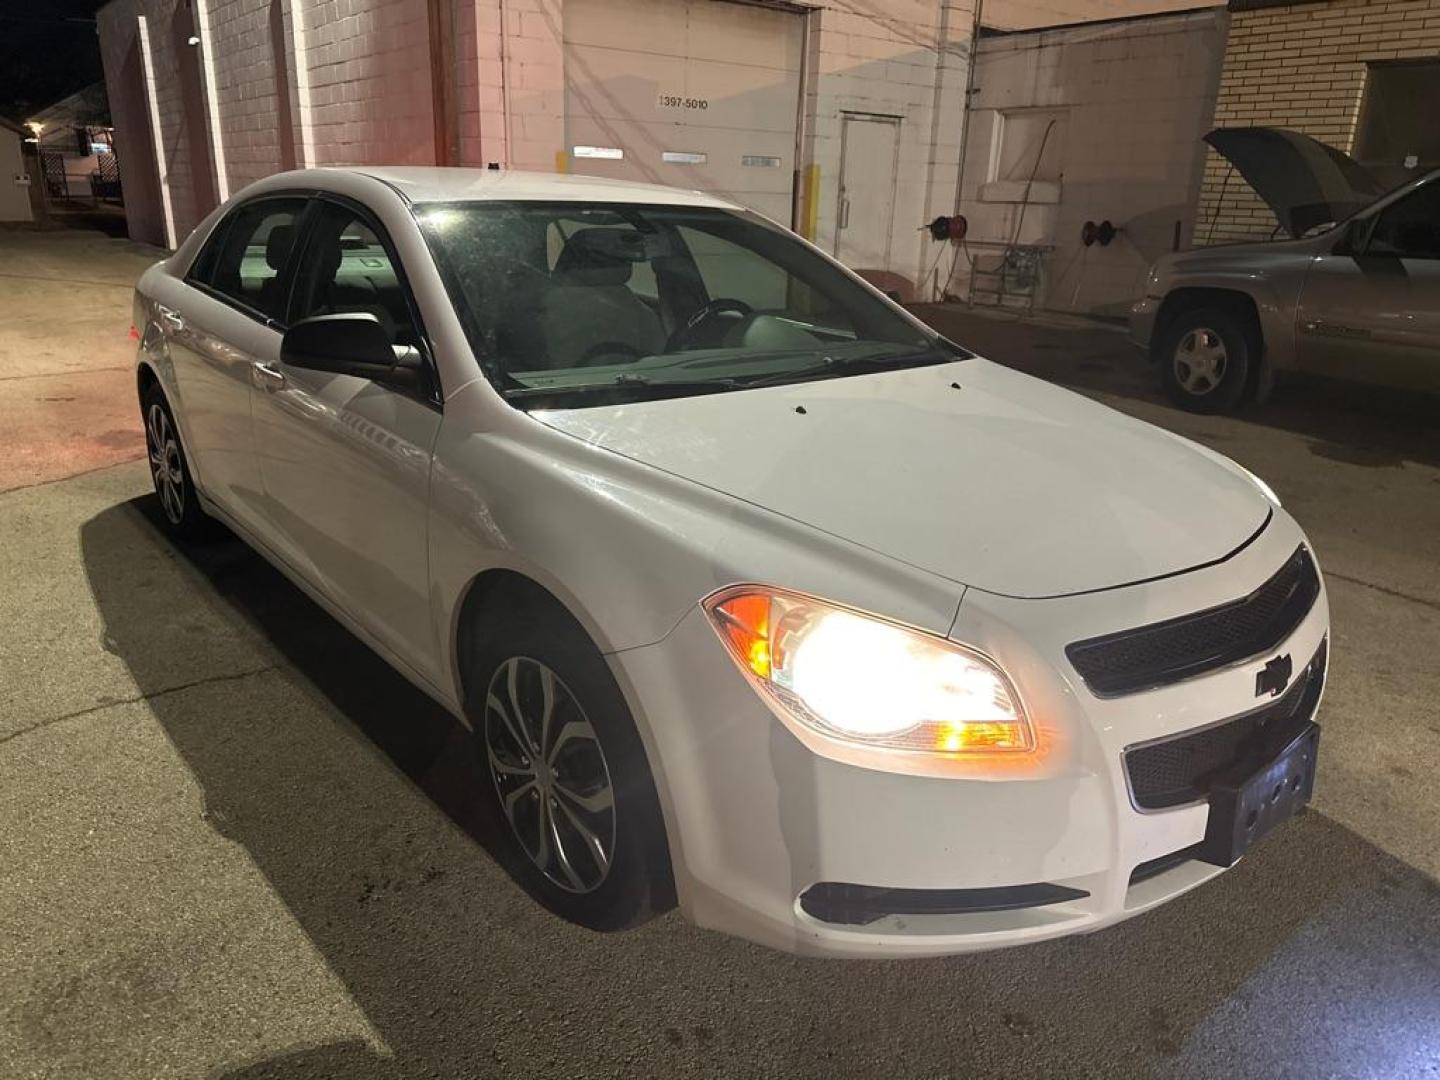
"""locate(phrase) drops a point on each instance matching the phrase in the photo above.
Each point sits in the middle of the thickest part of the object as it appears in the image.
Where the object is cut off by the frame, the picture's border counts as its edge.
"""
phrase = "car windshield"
(578, 304)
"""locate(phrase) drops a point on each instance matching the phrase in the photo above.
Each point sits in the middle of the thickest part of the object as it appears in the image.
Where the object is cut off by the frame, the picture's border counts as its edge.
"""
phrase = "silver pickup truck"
(1355, 295)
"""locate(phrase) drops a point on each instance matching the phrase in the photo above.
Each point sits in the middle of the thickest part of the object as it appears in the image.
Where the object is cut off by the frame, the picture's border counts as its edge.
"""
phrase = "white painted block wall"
(905, 58)
(14, 197)
(1136, 96)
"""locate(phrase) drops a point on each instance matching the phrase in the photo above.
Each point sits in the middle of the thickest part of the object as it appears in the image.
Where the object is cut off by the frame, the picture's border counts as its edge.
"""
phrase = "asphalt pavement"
(234, 844)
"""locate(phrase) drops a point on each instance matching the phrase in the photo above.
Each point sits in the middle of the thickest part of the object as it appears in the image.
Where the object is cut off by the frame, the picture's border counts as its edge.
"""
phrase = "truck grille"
(1166, 652)
(1179, 770)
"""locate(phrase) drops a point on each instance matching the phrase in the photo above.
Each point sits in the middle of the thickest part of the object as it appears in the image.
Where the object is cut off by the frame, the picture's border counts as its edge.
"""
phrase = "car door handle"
(266, 377)
(171, 320)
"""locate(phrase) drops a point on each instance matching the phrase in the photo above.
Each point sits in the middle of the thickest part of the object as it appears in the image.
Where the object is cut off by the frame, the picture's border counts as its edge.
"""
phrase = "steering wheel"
(719, 306)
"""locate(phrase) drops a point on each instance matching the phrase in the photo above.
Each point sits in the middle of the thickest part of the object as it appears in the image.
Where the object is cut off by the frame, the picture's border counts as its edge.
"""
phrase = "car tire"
(1206, 355)
(576, 816)
(170, 469)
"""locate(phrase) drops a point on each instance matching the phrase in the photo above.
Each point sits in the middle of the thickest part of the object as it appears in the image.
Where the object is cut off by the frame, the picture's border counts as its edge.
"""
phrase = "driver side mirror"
(352, 343)
(1353, 238)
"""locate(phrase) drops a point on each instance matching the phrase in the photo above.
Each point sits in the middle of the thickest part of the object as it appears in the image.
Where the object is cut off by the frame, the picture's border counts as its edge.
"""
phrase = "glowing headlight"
(861, 679)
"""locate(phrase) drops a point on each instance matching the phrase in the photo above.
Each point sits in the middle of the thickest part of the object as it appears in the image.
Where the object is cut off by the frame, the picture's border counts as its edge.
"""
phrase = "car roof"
(428, 184)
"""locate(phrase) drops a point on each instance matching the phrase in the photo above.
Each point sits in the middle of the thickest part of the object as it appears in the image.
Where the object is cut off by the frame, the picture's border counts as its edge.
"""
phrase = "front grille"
(1180, 770)
(1166, 652)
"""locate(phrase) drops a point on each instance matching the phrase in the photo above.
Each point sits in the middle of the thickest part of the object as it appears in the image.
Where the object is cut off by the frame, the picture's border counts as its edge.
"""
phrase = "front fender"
(627, 548)
(1269, 275)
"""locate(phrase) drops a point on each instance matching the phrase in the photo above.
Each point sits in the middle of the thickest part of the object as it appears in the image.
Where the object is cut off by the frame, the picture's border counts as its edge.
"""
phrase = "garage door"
(691, 93)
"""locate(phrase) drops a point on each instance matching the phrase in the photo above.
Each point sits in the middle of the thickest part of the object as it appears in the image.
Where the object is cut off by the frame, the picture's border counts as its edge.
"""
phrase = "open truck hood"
(1304, 181)
(1007, 484)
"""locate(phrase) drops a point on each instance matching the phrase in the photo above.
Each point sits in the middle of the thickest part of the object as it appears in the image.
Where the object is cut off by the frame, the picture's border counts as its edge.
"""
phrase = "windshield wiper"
(835, 364)
(635, 385)
(629, 384)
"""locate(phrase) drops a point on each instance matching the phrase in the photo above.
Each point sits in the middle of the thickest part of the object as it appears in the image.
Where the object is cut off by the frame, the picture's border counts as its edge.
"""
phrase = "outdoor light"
(193, 40)
(861, 679)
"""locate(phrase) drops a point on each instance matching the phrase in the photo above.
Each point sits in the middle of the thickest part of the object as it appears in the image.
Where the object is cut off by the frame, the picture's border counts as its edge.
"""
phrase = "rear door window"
(251, 249)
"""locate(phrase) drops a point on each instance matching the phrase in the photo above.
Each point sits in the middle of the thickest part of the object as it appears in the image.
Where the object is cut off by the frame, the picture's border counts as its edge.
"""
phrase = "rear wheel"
(559, 762)
(169, 470)
(1205, 356)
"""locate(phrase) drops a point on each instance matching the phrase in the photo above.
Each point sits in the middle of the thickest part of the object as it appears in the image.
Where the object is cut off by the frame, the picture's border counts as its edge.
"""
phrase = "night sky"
(48, 50)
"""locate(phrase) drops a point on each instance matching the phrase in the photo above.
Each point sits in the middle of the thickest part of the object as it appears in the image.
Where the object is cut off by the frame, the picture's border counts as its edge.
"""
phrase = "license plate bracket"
(1247, 803)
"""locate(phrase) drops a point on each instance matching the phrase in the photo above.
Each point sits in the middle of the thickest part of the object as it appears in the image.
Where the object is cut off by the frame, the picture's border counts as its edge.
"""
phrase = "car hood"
(1006, 483)
(1304, 181)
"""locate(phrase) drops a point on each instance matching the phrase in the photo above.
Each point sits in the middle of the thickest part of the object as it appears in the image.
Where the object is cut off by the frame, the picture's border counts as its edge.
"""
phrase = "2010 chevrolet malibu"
(751, 592)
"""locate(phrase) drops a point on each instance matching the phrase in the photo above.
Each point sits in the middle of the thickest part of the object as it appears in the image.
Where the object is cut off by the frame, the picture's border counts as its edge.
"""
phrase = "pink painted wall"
(336, 82)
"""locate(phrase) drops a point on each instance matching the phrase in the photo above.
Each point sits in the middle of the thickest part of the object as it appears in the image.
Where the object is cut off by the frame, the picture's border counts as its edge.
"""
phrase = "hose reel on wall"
(1102, 234)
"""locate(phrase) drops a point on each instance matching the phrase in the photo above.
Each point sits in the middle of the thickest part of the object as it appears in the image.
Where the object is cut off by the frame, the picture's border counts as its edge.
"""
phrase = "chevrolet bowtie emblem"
(1273, 677)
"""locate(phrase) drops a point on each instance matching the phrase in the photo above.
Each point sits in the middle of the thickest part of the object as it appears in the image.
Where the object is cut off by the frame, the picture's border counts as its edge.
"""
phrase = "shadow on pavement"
(107, 218)
(1353, 423)
(1317, 956)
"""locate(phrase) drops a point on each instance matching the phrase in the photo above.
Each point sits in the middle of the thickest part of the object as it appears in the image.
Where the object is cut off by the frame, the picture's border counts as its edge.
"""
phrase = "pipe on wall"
(443, 26)
(147, 67)
(505, 83)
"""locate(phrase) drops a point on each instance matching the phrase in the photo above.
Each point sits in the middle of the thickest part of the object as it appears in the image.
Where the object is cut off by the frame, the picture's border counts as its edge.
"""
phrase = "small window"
(1031, 146)
(244, 260)
(1409, 229)
(347, 268)
(1397, 125)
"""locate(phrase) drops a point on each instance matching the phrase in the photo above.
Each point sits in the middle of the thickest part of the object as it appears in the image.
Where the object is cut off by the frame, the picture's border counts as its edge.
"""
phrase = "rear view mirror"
(354, 343)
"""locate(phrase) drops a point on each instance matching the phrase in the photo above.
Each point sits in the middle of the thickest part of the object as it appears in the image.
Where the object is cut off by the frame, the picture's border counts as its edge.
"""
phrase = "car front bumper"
(755, 819)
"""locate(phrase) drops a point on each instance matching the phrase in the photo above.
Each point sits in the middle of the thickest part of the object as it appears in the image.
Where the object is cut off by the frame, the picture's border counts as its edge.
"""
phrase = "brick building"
(1360, 75)
(843, 120)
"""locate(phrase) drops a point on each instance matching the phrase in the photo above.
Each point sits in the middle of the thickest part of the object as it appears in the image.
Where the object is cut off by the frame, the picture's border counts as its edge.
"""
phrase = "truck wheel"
(1205, 357)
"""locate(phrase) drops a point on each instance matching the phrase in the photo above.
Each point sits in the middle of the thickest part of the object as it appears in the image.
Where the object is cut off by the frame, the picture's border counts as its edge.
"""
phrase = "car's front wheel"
(560, 763)
(1205, 357)
(169, 469)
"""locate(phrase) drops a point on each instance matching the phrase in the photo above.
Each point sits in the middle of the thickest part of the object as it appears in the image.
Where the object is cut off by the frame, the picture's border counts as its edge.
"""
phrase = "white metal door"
(865, 214)
(691, 93)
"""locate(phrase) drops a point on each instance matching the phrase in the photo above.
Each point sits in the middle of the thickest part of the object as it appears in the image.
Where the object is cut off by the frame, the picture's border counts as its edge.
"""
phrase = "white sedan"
(753, 594)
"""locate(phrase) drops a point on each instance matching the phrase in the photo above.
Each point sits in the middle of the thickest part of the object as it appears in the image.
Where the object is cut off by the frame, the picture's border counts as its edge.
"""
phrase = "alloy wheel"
(165, 463)
(550, 774)
(1200, 361)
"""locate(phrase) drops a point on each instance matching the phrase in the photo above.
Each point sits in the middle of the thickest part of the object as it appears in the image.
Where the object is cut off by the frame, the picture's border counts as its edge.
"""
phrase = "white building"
(75, 144)
(1097, 122)
(14, 175)
(842, 120)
